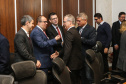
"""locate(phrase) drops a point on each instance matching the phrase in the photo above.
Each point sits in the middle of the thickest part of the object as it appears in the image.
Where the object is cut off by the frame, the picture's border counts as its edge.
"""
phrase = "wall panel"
(7, 27)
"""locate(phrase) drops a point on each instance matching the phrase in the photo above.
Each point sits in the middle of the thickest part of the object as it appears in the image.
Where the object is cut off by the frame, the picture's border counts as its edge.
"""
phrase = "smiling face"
(30, 25)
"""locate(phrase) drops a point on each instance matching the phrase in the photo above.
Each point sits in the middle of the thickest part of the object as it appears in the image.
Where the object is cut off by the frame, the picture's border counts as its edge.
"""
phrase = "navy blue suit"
(43, 47)
(4, 55)
(88, 39)
(104, 36)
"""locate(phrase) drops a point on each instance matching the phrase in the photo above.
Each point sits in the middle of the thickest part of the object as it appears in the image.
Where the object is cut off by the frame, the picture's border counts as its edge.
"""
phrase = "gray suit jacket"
(23, 47)
(121, 64)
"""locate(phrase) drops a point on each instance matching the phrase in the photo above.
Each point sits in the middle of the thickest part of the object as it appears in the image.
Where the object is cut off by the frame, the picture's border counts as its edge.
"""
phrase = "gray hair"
(71, 18)
(82, 16)
(26, 18)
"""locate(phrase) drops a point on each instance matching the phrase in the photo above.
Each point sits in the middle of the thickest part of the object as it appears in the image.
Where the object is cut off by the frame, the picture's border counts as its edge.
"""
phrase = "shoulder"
(2, 38)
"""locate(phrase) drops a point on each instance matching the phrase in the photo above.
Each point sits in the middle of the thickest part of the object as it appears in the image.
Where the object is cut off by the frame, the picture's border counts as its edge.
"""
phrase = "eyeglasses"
(96, 19)
(44, 21)
(54, 18)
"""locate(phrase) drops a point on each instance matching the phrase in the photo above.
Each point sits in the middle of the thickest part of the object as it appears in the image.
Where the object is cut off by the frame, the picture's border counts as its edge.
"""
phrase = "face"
(81, 22)
(30, 25)
(122, 18)
(66, 23)
(54, 20)
(43, 23)
(97, 20)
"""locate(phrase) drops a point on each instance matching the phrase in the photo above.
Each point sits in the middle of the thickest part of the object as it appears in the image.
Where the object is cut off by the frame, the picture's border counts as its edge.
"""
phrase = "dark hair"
(121, 13)
(98, 15)
(52, 13)
(39, 18)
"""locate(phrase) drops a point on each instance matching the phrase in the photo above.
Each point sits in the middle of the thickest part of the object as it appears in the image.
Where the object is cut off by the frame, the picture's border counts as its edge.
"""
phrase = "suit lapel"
(85, 29)
(54, 31)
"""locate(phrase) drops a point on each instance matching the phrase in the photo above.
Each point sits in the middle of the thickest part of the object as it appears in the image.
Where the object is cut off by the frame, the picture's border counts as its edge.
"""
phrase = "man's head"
(121, 16)
(42, 22)
(68, 21)
(98, 18)
(27, 22)
(53, 19)
(82, 19)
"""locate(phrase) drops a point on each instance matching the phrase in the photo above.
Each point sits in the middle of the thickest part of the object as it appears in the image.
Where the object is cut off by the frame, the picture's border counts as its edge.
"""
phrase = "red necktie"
(59, 32)
(45, 34)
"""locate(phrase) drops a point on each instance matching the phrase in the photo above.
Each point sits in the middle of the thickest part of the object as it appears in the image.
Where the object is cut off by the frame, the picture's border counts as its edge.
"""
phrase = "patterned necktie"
(59, 32)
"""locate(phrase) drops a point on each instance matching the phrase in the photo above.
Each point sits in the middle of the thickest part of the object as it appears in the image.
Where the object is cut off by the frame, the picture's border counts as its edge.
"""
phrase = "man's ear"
(49, 20)
(27, 22)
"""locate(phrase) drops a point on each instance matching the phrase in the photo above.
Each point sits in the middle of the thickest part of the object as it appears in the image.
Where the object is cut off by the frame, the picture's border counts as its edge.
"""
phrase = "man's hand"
(116, 47)
(105, 50)
(57, 37)
(54, 55)
(38, 64)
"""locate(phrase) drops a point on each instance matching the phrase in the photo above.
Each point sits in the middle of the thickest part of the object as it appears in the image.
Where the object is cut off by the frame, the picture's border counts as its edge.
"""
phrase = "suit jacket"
(42, 47)
(72, 49)
(88, 38)
(116, 35)
(23, 47)
(52, 33)
(121, 64)
(104, 35)
(4, 55)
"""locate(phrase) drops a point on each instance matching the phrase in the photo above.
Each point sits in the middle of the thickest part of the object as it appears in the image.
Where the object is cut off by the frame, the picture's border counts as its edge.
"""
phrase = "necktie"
(45, 34)
(59, 32)
(80, 31)
(30, 42)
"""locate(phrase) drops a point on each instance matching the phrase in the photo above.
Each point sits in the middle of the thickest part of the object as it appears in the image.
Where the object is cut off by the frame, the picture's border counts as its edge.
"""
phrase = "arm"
(39, 40)
(67, 47)
(92, 38)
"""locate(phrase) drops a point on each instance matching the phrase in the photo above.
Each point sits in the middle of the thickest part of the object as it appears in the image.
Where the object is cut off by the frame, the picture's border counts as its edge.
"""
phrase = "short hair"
(52, 13)
(26, 18)
(121, 13)
(123, 26)
(39, 18)
(98, 15)
(82, 16)
(71, 18)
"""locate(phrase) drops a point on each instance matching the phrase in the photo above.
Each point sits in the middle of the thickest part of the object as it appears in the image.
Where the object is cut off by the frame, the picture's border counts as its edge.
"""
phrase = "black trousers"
(75, 76)
(115, 58)
(105, 60)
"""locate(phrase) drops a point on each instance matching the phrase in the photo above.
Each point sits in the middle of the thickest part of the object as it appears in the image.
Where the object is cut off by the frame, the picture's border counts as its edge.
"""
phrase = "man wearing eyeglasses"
(88, 40)
(42, 45)
(53, 30)
(104, 36)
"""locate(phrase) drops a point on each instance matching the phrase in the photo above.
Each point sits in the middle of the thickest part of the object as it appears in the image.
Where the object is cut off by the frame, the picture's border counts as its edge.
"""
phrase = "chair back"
(93, 63)
(25, 73)
(60, 71)
(6, 79)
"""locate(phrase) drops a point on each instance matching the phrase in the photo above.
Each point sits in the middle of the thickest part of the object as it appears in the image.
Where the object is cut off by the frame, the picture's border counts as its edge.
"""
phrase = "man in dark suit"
(22, 42)
(116, 35)
(88, 39)
(104, 36)
(72, 49)
(53, 30)
(43, 47)
(4, 55)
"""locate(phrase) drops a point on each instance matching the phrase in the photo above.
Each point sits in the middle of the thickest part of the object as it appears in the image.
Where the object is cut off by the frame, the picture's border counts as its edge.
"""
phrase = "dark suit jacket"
(52, 33)
(72, 49)
(88, 38)
(4, 55)
(42, 47)
(116, 35)
(23, 47)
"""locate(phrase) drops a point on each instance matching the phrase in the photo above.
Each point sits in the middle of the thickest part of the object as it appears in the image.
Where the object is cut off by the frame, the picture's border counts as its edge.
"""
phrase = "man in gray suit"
(22, 42)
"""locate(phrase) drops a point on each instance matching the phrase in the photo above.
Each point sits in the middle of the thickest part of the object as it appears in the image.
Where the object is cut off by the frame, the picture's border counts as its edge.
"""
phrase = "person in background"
(116, 35)
(104, 36)
(55, 29)
(88, 40)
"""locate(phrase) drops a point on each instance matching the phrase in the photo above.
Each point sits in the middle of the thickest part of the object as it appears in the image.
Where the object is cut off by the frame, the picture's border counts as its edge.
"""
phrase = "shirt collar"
(69, 28)
(27, 33)
(120, 22)
(39, 27)
(101, 23)
(54, 26)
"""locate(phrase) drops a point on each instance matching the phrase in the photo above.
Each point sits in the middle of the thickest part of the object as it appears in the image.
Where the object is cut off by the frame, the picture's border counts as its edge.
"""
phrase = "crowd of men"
(44, 44)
